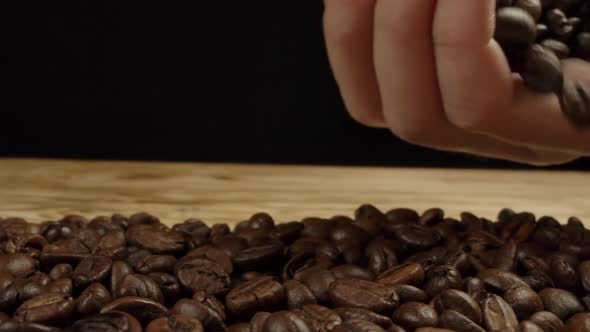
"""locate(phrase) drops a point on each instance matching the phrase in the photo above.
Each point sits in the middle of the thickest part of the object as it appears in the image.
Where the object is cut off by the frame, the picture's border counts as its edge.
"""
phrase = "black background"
(228, 81)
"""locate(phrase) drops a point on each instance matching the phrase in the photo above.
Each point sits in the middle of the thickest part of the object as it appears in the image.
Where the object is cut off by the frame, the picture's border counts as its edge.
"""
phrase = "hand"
(431, 72)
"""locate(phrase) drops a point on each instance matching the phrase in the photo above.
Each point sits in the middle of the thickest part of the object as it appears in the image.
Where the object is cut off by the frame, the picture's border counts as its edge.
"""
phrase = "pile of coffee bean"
(393, 271)
(535, 35)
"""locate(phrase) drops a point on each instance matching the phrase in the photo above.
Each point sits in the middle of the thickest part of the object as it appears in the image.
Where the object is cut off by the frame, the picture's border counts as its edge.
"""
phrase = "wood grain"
(41, 190)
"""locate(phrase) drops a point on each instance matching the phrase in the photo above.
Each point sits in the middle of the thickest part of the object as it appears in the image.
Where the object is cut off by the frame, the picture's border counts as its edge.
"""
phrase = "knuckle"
(413, 133)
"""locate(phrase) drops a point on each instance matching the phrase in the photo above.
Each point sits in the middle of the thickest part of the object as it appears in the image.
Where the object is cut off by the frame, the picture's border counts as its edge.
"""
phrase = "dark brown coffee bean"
(318, 317)
(578, 323)
(498, 315)
(461, 302)
(524, 301)
(358, 326)
(514, 26)
(114, 321)
(561, 302)
(432, 329)
(14, 326)
(258, 256)
(562, 270)
(440, 278)
(402, 216)
(533, 7)
(155, 238)
(287, 232)
(547, 321)
(70, 251)
(409, 274)
(315, 228)
(156, 263)
(381, 255)
(475, 288)
(29, 287)
(168, 285)
(50, 309)
(239, 327)
(319, 281)
(211, 319)
(144, 310)
(349, 271)
(61, 271)
(499, 281)
(285, 321)
(262, 294)
(348, 313)
(297, 294)
(432, 216)
(257, 322)
(63, 286)
(369, 218)
(560, 49)
(175, 323)
(456, 321)
(417, 237)
(92, 269)
(584, 272)
(363, 294)
(409, 293)
(119, 269)
(92, 299)
(575, 103)
(349, 233)
(529, 326)
(140, 286)
(19, 265)
(413, 315)
(202, 274)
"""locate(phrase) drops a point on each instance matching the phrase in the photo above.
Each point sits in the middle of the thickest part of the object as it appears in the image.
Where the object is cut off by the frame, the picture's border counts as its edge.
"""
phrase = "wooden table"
(41, 190)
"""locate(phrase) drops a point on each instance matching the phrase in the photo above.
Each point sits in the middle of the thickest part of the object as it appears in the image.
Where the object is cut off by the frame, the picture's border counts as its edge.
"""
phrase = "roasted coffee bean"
(417, 237)
(370, 219)
(529, 326)
(50, 309)
(297, 294)
(575, 103)
(498, 315)
(475, 287)
(287, 232)
(168, 285)
(524, 301)
(441, 278)
(319, 281)
(409, 274)
(202, 274)
(115, 321)
(257, 322)
(156, 239)
(211, 319)
(239, 327)
(358, 326)
(547, 321)
(145, 310)
(14, 326)
(258, 256)
(61, 271)
(92, 269)
(402, 216)
(92, 299)
(562, 270)
(175, 323)
(31, 286)
(156, 263)
(262, 294)
(119, 269)
(363, 294)
(499, 281)
(542, 71)
(349, 271)
(70, 251)
(584, 273)
(19, 265)
(456, 321)
(578, 323)
(381, 255)
(63, 286)
(409, 293)
(348, 313)
(461, 302)
(562, 303)
(319, 317)
(514, 27)
(140, 286)
(413, 315)
(285, 321)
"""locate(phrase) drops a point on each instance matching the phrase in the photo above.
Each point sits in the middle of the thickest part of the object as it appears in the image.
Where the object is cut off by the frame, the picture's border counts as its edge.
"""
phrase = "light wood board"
(41, 190)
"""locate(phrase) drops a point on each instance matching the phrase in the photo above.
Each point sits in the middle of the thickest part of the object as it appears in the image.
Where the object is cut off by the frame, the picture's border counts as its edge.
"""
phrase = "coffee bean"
(514, 27)
(358, 326)
(579, 323)
(262, 294)
(141, 286)
(257, 322)
(348, 313)
(92, 299)
(562, 303)
(287, 232)
(319, 281)
(144, 310)
(168, 285)
(297, 294)
(349, 271)
(499, 281)
(156, 263)
(70, 251)
(319, 317)
(575, 103)
(409, 293)
(14, 326)
(456, 321)
(239, 327)
(381, 255)
(413, 315)
(461, 302)
(211, 319)
(115, 321)
(363, 294)
(202, 274)
(402, 216)
(175, 323)
(63, 286)
(50, 309)
(440, 278)
(409, 274)
(19, 265)
(285, 321)
(529, 326)
(417, 237)
(61, 271)
(524, 301)
(498, 315)
(92, 269)
(156, 239)
(547, 321)
(255, 257)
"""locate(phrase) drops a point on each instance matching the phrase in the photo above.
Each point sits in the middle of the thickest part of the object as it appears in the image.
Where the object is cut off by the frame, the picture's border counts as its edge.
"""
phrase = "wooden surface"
(41, 190)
